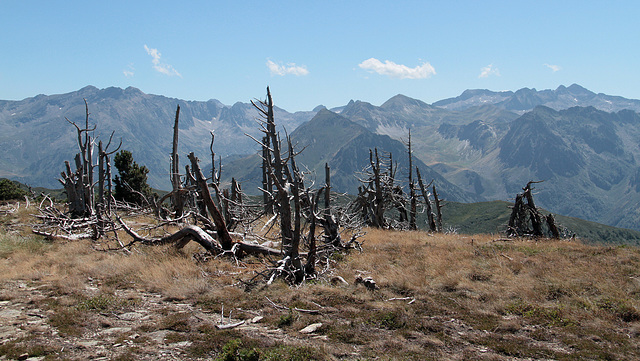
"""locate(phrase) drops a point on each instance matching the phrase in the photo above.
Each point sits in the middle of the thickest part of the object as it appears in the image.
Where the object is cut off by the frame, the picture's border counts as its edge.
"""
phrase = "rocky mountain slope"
(330, 138)
(35, 139)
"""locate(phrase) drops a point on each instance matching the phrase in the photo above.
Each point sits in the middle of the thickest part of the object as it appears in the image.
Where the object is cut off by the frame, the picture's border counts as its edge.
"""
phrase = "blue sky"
(321, 52)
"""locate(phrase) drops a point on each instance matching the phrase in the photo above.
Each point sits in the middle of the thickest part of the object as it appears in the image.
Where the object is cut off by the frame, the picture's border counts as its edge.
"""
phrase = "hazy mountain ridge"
(483, 142)
(36, 139)
(526, 99)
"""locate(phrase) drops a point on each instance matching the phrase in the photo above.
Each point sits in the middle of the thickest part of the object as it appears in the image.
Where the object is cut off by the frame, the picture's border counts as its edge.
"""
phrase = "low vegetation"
(438, 296)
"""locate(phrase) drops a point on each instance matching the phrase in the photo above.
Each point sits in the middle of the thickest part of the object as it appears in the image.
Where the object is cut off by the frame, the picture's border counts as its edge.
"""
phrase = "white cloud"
(129, 71)
(290, 68)
(554, 68)
(400, 71)
(489, 70)
(163, 68)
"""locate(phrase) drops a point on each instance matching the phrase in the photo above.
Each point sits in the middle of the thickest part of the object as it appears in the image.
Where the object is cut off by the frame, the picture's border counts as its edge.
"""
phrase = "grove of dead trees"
(222, 220)
(293, 221)
(90, 202)
(381, 202)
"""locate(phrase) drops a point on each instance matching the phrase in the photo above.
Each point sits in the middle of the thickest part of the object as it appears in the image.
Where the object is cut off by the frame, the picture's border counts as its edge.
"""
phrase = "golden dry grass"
(441, 296)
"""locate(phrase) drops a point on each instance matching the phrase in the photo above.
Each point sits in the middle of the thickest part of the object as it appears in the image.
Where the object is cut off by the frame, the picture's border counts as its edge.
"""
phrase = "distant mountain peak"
(133, 90)
(579, 90)
(88, 88)
(401, 101)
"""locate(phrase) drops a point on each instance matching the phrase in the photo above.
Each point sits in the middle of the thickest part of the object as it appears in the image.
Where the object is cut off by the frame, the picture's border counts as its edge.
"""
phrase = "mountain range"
(35, 139)
(481, 145)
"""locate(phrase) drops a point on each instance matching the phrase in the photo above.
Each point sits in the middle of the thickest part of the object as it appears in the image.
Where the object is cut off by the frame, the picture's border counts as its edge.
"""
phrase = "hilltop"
(438, 297)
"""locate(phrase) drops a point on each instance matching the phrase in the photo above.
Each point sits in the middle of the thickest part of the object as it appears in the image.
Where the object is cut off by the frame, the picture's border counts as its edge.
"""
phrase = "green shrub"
(233, 351)
(10, 190)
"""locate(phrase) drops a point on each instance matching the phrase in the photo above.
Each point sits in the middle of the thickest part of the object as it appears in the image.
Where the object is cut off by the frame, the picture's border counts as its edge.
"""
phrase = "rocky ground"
(38, 324)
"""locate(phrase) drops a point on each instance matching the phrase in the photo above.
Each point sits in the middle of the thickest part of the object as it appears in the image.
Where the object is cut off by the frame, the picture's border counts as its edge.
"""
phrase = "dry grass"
(475, 298)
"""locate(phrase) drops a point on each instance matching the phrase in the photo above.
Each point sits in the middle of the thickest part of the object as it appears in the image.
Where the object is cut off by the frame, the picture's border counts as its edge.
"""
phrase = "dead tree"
(526, 219)
(285, 188)
(289, 196)
(329, 222)
(104, 202)
(431, 218)
(438, 203)
(379, 194)
(374, 195)
(79, 184)
(221, 228)
(88, 211)
(412, 190)
(177, 193)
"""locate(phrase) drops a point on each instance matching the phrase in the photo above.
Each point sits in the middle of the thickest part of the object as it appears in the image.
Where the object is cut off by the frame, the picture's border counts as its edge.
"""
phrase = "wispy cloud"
(129, 71)
(290, 68)
(160, 67)
(489, 70)
(553, 68)
(399, 71)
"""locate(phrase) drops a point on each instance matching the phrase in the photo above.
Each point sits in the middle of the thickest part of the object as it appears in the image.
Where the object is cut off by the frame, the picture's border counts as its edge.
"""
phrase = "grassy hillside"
(482, 217)
(492, 217)
(440, 297)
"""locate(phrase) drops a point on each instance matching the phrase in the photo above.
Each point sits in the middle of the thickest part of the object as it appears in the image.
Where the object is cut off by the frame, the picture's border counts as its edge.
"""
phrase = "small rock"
(87, 344)
(130, 316)
(181, 344)
(158, 336)
(111, 331)
(9, 313)
(256, 319)
(23, 357)
(311, 328)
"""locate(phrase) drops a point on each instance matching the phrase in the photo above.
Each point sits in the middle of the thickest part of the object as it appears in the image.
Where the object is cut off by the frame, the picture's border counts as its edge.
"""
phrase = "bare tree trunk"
(221, 228)
(438, 209)
(378, 202)
(536, 221)
(412, 190)
(327, 192)
(267, 185)
(551, 222)
(430, 218)
(310, 267)
(177, 197)
(109, 184)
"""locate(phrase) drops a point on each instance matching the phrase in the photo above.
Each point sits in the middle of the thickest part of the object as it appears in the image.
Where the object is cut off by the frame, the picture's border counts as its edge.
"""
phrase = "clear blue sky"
(317, 52)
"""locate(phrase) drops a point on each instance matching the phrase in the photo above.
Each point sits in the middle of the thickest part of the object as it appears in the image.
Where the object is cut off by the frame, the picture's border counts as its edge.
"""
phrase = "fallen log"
(180, 238)
(230, 325)
(197, 234)
(258, 249)
(72, 237)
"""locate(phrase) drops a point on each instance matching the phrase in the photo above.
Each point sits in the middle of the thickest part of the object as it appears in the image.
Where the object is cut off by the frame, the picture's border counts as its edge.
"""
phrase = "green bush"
(233, 351)
(10, 190)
